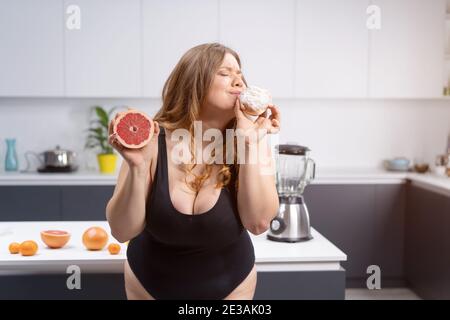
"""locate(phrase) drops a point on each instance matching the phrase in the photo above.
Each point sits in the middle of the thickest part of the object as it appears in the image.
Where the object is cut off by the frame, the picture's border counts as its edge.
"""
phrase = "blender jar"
(294, 169)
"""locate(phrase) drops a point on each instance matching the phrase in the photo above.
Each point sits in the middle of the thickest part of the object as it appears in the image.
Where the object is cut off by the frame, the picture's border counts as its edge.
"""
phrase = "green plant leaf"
(101, 113)
(98, 131)
(90, 145)
(97, 137)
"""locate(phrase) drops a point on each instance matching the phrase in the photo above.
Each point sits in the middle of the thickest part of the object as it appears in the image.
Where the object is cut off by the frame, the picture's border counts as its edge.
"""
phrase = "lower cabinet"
(366, 222)
(30, 203)
(427, 254)
(54, 203)
(292, 285)
(84, 203)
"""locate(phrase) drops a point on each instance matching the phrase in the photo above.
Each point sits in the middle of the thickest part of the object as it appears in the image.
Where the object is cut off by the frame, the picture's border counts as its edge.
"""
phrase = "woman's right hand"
(136, 158)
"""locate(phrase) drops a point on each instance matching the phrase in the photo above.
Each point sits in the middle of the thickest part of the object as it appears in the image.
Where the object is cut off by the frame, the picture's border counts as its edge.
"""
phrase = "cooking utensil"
(58, 159)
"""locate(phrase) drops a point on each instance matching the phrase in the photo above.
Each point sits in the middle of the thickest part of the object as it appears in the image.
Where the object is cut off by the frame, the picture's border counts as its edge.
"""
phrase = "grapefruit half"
(134, 129)
(55, 238)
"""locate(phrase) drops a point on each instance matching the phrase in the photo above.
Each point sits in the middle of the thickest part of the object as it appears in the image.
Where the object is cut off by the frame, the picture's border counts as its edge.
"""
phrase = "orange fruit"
(95, 238)
(114, 248)
(28, 248)
(14, 247)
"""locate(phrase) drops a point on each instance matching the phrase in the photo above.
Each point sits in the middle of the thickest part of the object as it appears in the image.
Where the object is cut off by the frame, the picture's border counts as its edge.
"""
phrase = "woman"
(187, 223)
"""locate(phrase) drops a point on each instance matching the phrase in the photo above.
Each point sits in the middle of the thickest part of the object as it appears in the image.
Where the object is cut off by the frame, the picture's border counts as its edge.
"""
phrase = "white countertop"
(57, 179)
(316, 254)
(323, 176)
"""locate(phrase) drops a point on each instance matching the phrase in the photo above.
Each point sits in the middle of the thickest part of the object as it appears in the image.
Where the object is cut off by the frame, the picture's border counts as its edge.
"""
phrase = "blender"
(294, 172)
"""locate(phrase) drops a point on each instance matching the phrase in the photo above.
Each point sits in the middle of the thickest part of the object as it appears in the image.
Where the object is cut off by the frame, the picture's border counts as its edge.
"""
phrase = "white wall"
(341, 133)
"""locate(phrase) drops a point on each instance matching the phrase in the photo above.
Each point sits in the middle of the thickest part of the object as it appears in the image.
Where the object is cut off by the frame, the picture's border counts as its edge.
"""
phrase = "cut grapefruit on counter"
(134, 129)
(55, 238)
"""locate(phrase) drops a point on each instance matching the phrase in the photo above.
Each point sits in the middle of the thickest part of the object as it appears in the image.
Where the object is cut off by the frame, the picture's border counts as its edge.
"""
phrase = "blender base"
(289, 240)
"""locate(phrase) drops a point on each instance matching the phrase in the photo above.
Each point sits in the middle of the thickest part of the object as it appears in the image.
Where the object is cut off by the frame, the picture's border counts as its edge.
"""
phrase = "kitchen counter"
(57, 179)
(431, 181)
(318, 254)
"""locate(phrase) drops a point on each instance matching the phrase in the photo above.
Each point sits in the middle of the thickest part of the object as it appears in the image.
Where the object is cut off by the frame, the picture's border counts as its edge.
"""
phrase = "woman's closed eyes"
(227, 74)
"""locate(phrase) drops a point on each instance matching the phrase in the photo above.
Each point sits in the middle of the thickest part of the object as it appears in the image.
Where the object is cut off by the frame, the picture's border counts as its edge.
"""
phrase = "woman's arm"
(125, 211)
(257, 195)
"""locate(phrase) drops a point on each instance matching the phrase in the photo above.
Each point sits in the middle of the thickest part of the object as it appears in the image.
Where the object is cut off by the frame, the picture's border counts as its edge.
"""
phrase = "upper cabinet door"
(31, 48)
(331, 49)
(406, 57)
(170, 28)
(262, 33)
(103, 57)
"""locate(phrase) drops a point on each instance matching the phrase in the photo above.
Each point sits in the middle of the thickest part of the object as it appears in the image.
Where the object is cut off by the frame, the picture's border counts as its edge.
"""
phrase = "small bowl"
(421, 168)
(397, 164)
(55, 238)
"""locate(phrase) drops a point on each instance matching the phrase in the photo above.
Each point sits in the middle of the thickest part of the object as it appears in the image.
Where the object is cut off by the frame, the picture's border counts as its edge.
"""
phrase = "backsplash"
(340, 133)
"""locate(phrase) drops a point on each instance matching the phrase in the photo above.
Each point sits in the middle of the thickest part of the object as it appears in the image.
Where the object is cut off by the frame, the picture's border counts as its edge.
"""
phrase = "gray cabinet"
(427, 254)
(54, 203)
(364, 221)
(276, 285)
(26, 203)
(81, 203)
(345, 215)
(390, 201)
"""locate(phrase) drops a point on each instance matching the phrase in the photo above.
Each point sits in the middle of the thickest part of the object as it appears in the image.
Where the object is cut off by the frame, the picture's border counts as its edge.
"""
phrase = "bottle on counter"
(448, 156)
(11, 161)
(448, 165)
(441, 164)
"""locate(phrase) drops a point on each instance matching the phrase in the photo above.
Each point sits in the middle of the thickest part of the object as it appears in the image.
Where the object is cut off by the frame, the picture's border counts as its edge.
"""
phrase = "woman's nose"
(238, 82)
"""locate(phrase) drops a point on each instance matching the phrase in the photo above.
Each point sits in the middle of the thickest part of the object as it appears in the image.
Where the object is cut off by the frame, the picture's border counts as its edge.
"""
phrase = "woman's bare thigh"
(133, 288)
(246, 289)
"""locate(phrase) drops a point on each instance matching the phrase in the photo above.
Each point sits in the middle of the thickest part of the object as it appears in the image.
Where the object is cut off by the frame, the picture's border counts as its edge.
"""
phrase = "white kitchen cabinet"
(169, 29)
(406, 55)
(262, 33)
(331, 49)
(103, 57)
(31, 48)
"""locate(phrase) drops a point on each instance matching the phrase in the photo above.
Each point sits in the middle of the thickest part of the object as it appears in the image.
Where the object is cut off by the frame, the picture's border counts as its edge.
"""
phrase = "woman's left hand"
(261, 126)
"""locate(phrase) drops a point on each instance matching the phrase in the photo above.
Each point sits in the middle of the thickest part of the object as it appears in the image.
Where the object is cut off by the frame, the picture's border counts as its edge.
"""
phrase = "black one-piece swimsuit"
(181, 256)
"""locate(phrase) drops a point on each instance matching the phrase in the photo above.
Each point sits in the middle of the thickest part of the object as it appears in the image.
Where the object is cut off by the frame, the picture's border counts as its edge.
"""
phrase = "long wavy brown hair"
(183, 95)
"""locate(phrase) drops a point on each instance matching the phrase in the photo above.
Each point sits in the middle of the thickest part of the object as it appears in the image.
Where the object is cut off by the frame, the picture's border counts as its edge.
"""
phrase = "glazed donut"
(255, 100)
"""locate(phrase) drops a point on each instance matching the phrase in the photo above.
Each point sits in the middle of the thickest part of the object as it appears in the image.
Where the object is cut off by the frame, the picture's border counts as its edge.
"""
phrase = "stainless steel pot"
(56, 158)
(59, 157)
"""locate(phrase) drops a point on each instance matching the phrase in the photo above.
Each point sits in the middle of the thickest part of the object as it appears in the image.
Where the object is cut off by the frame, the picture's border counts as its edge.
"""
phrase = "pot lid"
(58, 150)
(292, 149)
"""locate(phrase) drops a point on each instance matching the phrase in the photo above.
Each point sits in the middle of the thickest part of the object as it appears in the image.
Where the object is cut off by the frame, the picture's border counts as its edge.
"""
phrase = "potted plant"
(98, 139)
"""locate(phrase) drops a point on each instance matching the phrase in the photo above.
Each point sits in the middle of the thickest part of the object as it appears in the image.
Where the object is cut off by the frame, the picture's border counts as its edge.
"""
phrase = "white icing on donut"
(256, 98)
